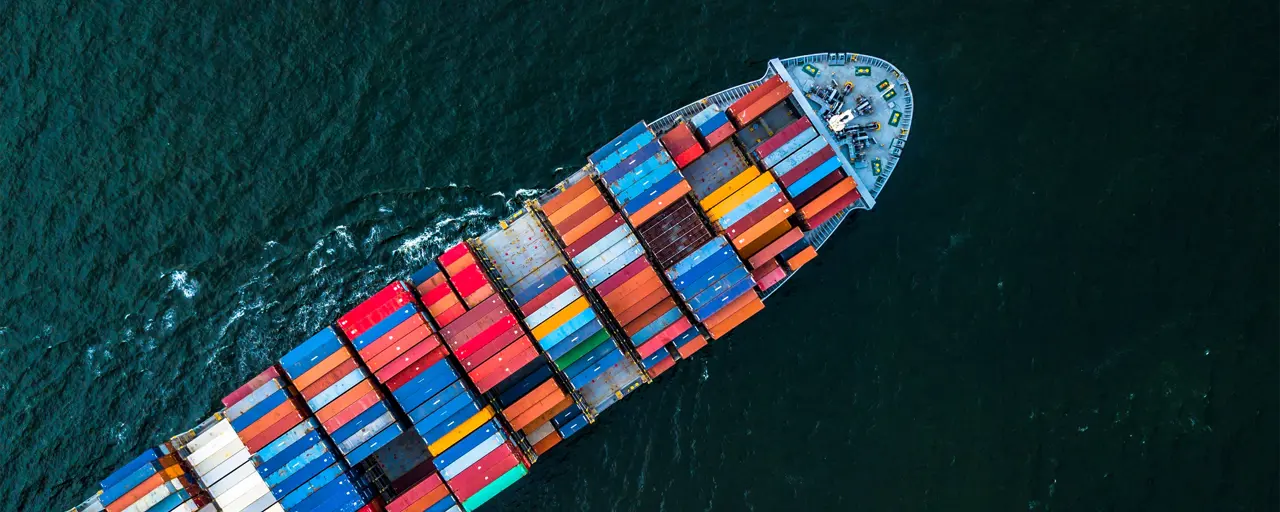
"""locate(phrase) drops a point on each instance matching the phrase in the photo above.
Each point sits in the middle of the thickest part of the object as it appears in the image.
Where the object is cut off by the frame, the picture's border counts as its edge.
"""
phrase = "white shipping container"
(232, 463)
(217, 457)
(211, 448)
(242, 494)
(212, 433)
(236, 476)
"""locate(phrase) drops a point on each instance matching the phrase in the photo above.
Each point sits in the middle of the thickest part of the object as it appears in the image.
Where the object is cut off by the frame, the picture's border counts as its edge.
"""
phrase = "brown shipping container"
(531, 414)
(770, 223)
(834, 208)
(775, 247)
(460, 264)
(545, 445)
(817, 189)
(776, 232)
(758, 108)
(586, 211)
(567, 195)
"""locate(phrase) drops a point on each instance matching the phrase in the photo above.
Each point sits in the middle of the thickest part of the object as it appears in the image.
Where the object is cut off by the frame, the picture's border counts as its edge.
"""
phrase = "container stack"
(222, 463)
(337, 389)
(639, 173)
(300, 467)
(432, 285)
(716, 286)
(682, 144)
(561, 320)
(480, 465)
(759, 100)
(752, 215)
(154, 480)
(809, 171)
(465, 274)
(713, 125)
(611, 259)
(429, 494)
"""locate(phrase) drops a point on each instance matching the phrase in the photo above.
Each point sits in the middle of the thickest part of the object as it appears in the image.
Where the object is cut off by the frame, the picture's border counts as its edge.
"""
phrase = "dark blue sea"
(1066, 299)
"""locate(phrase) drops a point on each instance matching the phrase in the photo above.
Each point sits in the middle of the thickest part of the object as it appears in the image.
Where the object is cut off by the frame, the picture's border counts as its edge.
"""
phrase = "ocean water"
(1066, 299)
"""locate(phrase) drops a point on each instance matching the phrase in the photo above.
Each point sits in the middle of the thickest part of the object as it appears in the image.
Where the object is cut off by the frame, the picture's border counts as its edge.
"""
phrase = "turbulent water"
(1066, 299)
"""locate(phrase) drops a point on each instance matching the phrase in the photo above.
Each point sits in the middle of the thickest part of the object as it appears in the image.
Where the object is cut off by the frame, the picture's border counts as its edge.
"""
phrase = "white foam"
(184, 283)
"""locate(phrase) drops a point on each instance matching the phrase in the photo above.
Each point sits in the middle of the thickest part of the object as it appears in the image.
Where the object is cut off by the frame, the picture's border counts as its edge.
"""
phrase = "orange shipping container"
(755, 95)
(718, 330)
(830, 196)
(266, 421)
(567, 195)
(324, 366)
(775, 247)
(352, 396)
(802, 257)
(531, 399)
(530, 415)
(765, 103)
(777, 232)
(258, 442)
(660, 203)
(581, 230)
(692, 346)
(769, 223)
(543, 446)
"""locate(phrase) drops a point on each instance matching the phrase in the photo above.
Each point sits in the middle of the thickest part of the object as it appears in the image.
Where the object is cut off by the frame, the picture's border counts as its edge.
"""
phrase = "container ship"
(443, 388)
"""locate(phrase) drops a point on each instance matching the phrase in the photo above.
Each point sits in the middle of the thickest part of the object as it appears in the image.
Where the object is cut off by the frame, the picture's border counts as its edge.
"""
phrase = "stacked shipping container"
(561, 319)
(442, 302)
(681, 143)
(222, 463)
(612, 261)
(713, 125)
(337, 389)
(298, 464)
(429, 494)
(716, 286)
(639, 173)
(759, 100)
(466, 276)
(154, 480)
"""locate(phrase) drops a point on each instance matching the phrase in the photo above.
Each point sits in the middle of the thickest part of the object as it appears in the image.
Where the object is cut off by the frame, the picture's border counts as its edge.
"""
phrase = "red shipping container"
(489, 373)
(623, 276)
(407, 344)
(347, 399)
(340, 417)
(678, 139)
(426, 486)
(334, 375)
(436, 293)
(809, 164)
(574, 206)
(635, 292)
(415, 327)
(451, 314)
(453, 254)
(469, 280)
(493, 347)
(763, 256)
(782, 136)
(649, 316)
(249, 387)
(479, 295)
(755, 216)
(489, 468)
(770, 278)
(664, 336)
(827, 213)
(804, 198)
(593, 236)
(374, 309)
(719, 135)
(488, 335)
(548, 295)
(687, 156)
(655, 296)
(258, 442)
(758, 108)
(406, 360)
(407, 374)
(531, 399)
(454, 332)
(661, 367)
(431, 283)
(574, 220)
(755, 95)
